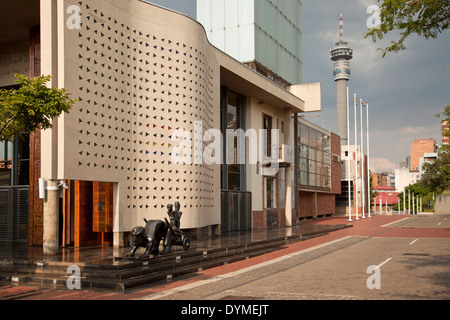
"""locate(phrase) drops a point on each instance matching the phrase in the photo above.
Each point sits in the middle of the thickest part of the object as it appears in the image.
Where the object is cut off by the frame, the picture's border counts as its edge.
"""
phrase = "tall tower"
(341, 55)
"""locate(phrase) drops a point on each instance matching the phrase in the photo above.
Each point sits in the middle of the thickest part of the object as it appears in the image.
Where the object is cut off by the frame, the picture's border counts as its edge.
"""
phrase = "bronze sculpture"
(156, 230)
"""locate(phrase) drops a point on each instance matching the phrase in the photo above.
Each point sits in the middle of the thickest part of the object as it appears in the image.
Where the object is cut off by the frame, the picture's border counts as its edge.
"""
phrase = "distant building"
(384, 179)
(418, 150)
(387, 197)
(427, 158)
(404, 177)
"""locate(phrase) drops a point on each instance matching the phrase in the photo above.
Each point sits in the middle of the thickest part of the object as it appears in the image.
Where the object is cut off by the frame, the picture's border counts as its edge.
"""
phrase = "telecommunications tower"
(341, 55)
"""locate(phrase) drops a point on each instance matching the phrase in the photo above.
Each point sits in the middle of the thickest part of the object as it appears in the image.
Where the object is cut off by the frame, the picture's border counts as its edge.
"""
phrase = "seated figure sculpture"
(174, 236)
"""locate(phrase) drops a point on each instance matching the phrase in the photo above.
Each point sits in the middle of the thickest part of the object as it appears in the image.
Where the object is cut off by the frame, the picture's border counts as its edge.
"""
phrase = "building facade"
(151, 126)
(418, 150)
(319, 170)
(259, 33)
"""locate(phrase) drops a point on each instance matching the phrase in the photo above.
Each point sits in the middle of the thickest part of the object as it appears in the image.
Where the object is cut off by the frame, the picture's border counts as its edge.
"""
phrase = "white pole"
(381, 205)
(356, 163)
(404, 200)
(413, 209)
(409, 201)
(417, 200)
(363, 195)
(368, 160)
(348, 161)
(375, 205)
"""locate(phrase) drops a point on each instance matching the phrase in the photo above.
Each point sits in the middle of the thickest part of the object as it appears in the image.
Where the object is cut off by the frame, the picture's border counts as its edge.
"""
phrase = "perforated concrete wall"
(140, 72)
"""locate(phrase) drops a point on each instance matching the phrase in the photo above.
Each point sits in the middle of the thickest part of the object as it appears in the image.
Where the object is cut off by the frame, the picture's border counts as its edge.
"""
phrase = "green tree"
(30, 107)
(437, 174)
(425, 18)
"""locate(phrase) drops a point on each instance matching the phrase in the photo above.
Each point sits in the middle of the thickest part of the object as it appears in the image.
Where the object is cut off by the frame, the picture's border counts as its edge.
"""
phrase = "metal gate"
(236, 210)
(14, 214)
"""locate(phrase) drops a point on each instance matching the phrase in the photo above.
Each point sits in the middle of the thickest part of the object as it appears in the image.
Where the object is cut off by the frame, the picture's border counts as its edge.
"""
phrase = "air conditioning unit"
(286, 154)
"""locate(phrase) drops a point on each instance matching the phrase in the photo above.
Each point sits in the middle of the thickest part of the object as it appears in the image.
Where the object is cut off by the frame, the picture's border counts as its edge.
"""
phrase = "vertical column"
(49, 138)
(51, 219)
(288, 140)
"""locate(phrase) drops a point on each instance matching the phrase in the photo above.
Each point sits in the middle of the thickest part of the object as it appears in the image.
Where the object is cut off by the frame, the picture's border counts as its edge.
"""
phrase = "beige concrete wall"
(254, 120)
(442, 205)
(14, 58)
(140, 73)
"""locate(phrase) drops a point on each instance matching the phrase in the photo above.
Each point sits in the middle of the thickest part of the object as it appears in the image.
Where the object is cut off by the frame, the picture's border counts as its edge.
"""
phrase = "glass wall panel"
(314, 157)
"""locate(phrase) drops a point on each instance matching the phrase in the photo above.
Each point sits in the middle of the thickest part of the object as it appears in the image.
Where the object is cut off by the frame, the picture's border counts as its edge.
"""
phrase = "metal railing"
(14, 214)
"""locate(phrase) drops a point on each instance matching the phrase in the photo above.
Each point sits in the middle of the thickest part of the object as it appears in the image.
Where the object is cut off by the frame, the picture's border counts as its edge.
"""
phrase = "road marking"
(387, 225)
(413, 242)
(439, 224)
(384, 262)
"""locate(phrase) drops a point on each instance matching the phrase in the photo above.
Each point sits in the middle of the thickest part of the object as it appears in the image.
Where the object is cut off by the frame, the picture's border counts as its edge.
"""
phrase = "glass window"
(15, 161)
(270, 193)
(314, 157)
(231, 108)
(268, 135)
(304, 135)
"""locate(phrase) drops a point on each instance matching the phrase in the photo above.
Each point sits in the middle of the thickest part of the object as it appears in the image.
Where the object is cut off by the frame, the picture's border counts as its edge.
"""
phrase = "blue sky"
(404, 91)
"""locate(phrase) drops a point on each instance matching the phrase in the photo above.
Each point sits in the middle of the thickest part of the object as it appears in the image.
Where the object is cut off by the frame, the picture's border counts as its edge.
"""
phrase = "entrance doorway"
(87, 214)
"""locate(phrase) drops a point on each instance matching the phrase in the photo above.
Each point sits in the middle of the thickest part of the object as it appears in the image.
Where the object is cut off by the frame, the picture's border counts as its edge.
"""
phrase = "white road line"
(384, 262)
(439, 224)
(387, 225)
(413, 242)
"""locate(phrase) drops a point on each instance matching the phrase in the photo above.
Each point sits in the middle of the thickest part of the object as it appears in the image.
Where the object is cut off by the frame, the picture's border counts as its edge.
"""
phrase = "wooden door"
(83, 208)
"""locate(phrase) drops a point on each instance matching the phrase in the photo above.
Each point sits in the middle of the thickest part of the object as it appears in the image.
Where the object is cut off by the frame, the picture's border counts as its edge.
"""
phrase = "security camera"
(63, 184)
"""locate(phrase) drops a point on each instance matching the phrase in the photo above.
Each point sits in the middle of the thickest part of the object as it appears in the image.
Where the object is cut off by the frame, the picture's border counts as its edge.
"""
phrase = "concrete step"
(118, 273)
(122, 274)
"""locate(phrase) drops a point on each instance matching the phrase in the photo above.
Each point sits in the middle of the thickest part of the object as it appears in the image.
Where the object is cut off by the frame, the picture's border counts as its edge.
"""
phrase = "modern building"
(319, 170)
(157, 121)
(265, 35)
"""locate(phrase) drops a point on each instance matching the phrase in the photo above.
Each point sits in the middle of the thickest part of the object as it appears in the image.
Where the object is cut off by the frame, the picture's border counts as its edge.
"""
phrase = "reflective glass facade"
(314, 157)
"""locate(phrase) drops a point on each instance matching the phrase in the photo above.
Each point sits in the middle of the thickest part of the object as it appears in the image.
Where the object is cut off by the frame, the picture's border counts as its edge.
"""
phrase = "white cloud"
(414, 130)
(379, 165)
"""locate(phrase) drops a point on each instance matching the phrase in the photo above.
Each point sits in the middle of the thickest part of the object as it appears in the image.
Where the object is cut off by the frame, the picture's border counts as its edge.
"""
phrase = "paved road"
(411, 252)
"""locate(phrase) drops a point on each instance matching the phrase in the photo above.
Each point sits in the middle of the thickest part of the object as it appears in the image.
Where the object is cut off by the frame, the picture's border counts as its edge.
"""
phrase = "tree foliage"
(437, 174)
(30, 107)
(445, 115)
(425, 18)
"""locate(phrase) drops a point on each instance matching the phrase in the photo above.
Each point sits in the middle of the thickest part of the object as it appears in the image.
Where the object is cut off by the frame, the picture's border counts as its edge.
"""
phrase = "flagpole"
(348, 161)
(368, 160)
(356, 162)
(362, 163)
